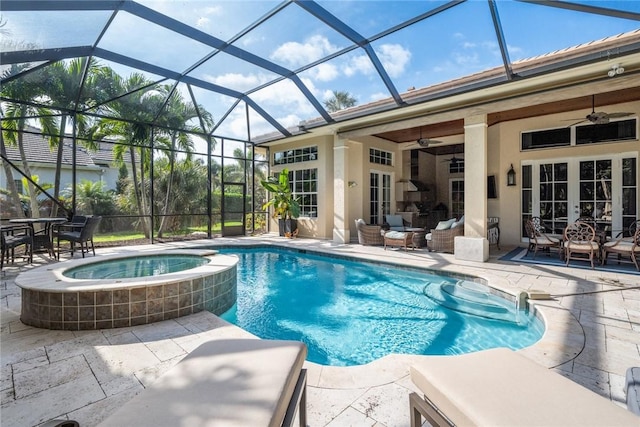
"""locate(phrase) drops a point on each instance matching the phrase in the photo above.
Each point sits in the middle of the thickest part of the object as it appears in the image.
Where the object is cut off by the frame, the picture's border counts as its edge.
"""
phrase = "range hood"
(415, 185)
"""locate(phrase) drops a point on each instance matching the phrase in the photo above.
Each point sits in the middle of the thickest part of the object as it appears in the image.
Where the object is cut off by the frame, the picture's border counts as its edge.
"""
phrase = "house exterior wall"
(503, 149)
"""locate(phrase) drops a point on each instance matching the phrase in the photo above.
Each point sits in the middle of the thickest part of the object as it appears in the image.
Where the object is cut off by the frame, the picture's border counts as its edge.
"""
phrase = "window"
(295, 156)
(18, 183)
(457, 166)
(304, 184)
(546, 138)
(614, 131)
(586, 134)
(380, 157)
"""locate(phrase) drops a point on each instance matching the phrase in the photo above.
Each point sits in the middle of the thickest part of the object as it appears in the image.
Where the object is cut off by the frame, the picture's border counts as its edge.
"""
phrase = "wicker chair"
(370, 235)
(442, 240)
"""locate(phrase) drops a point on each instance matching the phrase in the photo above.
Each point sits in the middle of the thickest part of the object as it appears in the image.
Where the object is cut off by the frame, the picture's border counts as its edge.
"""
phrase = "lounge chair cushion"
(223, 382)
(500, 387)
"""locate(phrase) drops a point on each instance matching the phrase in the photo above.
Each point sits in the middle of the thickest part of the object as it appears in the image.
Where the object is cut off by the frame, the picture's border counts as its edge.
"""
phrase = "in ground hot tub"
(121, 290)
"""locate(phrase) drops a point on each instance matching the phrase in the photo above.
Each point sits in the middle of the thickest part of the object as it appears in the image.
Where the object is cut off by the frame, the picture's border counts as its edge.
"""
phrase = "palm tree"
(14, 123)
(176, 117)
(131, 122)
(339, 101)
(66, 83)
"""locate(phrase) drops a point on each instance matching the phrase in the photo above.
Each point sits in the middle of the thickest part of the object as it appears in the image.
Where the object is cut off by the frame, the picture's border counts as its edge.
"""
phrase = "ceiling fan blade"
(426, 142)
(576, 123)
(619, 114)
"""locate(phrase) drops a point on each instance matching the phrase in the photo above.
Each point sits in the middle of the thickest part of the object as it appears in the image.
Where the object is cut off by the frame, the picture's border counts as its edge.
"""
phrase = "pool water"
(134, 267)
(351, 313)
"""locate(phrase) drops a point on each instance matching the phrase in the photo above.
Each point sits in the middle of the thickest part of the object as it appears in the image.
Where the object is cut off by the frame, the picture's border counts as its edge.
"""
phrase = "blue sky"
(455, 43)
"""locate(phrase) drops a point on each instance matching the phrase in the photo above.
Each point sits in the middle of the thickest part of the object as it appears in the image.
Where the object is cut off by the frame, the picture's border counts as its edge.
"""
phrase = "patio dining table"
(42, 239)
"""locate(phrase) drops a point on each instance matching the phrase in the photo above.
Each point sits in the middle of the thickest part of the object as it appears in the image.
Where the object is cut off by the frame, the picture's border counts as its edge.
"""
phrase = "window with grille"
(304, 185)
(380, 157)
(295, 156)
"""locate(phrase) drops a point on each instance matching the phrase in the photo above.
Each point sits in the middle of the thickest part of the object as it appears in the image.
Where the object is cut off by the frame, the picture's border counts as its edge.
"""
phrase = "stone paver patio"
(592, 337)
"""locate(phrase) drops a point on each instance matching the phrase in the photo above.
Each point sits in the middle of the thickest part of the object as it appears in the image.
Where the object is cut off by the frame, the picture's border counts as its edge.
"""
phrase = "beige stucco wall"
(507, 206)
(503, 149)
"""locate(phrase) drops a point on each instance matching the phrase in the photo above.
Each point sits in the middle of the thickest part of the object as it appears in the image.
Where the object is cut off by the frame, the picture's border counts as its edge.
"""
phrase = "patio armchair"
(580, 239)
(623, 246)
(79, 233)
(12, 237)
(442, 238)
(369, 235)
(538, 239)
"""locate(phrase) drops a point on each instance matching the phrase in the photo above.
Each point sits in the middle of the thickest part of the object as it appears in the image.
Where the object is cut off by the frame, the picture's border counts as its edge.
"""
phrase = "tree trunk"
(14, 197)
(56, 182)
(167, 198)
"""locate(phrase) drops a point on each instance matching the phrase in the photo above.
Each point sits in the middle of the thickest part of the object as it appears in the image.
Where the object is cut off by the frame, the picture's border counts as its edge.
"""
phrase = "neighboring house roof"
(37, 149)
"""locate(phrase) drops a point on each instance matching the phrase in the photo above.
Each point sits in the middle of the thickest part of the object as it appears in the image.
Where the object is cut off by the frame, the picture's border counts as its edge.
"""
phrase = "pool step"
(471, 298)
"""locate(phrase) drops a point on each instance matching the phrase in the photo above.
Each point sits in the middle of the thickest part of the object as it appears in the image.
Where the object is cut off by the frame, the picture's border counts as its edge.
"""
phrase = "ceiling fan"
(453, 160)
(599, 117)
(426, 142)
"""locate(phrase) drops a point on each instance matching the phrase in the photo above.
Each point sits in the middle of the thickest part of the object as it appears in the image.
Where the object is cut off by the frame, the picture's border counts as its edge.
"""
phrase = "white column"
(474, 246)
(341, 232)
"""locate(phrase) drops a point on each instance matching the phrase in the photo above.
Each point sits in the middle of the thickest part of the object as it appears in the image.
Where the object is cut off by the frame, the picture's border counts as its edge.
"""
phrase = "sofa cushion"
(458, 223)
(445, 225)
(395, 221)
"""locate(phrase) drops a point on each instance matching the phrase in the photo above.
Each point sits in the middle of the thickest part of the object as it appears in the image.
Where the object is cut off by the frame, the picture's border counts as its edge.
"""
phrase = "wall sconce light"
(511, 176)
(352, 184)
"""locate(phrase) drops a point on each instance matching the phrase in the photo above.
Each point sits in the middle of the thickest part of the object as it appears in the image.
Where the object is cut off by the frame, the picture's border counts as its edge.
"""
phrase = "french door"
(561, 191)
(379, 196)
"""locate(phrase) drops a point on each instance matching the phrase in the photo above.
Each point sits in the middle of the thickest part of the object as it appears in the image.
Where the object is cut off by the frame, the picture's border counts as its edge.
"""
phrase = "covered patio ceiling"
(456, 127)
(264, 69)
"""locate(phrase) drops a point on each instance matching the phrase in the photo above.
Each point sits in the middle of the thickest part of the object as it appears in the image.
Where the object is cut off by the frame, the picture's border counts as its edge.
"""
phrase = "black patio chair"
(12, 237)
(79, 233)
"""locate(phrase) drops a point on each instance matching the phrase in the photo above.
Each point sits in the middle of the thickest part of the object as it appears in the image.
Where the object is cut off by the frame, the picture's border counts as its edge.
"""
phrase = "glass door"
(456, 197)
(560, 192)
(379, 196)
(596, 192)
(233, 209)
(553, 196)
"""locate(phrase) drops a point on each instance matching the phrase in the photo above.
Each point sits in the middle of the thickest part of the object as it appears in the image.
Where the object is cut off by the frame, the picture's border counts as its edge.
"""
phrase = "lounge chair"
(225, 382)
(500, 387)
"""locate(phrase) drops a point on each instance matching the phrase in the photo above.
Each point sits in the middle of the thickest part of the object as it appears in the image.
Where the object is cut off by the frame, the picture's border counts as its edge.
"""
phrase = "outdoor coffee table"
(398, 238)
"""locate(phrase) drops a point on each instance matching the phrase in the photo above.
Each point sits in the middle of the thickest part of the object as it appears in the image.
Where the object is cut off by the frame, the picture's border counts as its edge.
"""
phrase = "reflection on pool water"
(135, 267)
(350, 313)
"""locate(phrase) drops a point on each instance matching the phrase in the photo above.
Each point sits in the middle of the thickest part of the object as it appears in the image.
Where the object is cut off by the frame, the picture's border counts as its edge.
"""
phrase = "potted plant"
(286, 207)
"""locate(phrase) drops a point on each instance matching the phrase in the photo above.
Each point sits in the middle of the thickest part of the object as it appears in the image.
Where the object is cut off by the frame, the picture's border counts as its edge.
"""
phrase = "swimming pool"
(351, 313)
(136, 266)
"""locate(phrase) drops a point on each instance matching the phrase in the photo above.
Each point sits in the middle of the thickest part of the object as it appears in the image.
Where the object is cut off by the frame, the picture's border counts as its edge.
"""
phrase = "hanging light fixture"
(511, 176)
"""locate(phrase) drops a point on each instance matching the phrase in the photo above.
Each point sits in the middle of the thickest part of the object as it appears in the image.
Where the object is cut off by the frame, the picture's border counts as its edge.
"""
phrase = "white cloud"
(358, 64)
(394, 58)
(236, 81)
(324, 72)
(296, 54)
(203, 22)
(378, 95)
